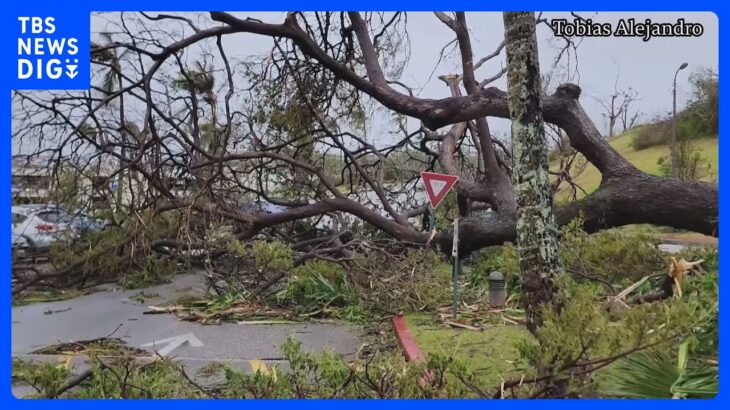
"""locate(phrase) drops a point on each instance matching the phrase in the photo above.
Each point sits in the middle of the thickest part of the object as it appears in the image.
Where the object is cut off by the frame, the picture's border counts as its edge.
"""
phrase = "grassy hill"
(645, 160)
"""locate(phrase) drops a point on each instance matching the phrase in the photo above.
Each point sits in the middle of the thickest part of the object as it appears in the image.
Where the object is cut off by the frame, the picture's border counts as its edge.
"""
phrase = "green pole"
(457, 266)
(431, 218)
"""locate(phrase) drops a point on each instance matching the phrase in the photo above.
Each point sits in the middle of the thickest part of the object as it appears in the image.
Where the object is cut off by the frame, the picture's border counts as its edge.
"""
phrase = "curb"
(411, 351)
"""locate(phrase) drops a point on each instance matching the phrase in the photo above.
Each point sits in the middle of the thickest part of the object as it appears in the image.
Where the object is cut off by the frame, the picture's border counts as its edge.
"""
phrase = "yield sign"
(437, 186)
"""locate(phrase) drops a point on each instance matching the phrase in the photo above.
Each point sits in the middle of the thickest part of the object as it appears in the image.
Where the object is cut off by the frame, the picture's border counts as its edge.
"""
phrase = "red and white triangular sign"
(437, 186)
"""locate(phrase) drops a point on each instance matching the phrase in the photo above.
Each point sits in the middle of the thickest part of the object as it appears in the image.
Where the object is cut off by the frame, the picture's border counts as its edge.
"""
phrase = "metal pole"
(674, 126)
(431, 218)
(674, 122)
(457, 267)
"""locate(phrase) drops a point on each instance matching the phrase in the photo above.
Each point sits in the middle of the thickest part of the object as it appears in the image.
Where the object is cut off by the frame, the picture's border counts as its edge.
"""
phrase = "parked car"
(38, 226)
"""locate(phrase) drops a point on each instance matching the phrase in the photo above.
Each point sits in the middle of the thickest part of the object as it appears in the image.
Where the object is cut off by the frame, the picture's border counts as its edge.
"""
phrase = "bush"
(700, 118)
(316, 285)
(703, 109)
(611, 255)
(689, 127)
(501, 258)
(326, 375)
(651, 135)
(583, 331)
(418, 279)
(691, 164)
(309, 375)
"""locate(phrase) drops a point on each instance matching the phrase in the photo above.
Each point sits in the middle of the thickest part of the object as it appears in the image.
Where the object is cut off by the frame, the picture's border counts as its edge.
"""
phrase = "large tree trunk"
(537, 241)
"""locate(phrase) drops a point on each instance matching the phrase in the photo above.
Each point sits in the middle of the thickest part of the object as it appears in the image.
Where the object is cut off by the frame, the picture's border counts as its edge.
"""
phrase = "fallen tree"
(284, 128)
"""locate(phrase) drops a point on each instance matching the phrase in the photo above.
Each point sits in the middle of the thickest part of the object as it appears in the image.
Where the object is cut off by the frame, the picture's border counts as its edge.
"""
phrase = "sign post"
(457, 265)
(437, 186)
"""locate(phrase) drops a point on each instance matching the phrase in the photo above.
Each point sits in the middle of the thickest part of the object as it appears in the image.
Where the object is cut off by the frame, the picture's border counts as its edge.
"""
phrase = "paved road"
(98, 314)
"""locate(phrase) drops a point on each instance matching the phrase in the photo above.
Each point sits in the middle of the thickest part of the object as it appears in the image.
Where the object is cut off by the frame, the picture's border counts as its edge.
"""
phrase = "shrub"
(660, 133)
(583, 331)
(611, 255)
(316, 285)
(650, 135)
(502, 258)
(417, 279)
(691, 164)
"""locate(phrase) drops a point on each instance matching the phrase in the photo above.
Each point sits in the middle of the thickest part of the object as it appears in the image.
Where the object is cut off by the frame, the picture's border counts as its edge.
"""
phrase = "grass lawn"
(492, 354)
(645, 160)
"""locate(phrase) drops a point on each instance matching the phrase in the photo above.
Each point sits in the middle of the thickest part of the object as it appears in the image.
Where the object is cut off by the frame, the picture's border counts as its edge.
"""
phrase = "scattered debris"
(474, 317)
(677, 269)
(266, 322)
(206, 312)
(50, 312)
(462, 326)
(98, 347)
(259, 366)
(141, 297)
(672, 285)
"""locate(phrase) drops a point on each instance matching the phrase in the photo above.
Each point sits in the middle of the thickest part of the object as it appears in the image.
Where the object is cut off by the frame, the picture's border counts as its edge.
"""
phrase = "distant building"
(31, 181)
(35, 180)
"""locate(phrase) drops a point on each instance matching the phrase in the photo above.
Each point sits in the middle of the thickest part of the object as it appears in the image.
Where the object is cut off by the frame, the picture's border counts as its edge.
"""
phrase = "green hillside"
(645, 160)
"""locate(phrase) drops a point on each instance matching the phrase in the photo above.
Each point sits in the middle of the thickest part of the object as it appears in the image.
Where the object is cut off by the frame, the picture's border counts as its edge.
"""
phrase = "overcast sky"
(646, 67)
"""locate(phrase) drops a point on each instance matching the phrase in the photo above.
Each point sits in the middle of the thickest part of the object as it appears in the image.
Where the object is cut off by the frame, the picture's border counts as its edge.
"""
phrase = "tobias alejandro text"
(626, 28)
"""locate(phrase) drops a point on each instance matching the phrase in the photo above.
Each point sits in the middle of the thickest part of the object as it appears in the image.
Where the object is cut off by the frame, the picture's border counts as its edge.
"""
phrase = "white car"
(36, 227)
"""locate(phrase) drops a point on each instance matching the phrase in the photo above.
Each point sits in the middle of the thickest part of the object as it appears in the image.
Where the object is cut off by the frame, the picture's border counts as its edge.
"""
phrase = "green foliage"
(660, 133)
(199, 80)
(492, 355)
(418, 280)
(122, 253)
(309, 375)
(704, 106)
(263, 256)
(499, 258)
(123, 378)
(691, 164)
(612, 255)
(644, 375)
(581, 325)
(45, 378)
(651, 135)
(652, 375)
(583, 331)
(316, 285)
(709, 254)
(327, 375)
(152, 270)
(700, 118)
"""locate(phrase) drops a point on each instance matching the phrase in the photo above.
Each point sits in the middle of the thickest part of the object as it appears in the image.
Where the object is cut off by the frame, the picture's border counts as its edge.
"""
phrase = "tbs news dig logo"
(44, 53)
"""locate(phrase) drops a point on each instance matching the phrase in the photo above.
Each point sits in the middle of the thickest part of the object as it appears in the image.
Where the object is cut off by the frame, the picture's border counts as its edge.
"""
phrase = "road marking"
(174, 342)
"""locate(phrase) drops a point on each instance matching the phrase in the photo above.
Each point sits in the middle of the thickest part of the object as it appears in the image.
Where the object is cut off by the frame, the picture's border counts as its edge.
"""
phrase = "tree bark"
(537, 236)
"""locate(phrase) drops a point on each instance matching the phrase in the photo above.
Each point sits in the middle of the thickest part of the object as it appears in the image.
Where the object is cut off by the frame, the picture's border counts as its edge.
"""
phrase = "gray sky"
(646, 67)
